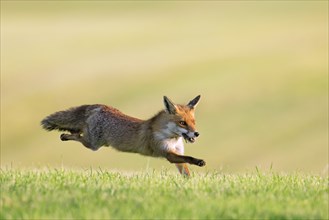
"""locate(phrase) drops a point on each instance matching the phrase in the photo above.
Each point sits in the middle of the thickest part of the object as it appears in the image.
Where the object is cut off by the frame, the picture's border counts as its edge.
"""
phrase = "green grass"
(97, 194)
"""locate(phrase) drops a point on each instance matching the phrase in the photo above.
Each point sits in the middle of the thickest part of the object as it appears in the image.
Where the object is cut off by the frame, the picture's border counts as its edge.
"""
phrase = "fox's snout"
(193, 134)
(190, 136)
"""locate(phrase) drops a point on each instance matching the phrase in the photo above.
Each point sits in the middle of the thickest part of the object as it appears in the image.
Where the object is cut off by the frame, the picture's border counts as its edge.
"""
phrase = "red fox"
(160, 136)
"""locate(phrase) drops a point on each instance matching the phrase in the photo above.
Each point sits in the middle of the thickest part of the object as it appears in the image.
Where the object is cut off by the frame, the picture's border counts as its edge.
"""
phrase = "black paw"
(201, 163)
(63, 137)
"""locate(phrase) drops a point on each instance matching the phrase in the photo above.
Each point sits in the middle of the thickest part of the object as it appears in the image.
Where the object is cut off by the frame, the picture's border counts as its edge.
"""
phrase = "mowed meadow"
(260, 67)
(99, 194)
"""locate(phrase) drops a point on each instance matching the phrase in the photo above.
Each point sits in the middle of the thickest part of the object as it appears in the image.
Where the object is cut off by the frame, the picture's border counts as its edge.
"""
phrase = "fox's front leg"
(175, 158)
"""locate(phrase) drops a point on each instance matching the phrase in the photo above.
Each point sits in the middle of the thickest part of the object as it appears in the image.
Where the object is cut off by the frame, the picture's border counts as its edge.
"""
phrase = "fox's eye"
(182, 123)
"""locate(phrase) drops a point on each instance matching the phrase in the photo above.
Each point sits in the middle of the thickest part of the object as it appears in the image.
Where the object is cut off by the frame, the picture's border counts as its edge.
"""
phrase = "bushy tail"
(73, 119)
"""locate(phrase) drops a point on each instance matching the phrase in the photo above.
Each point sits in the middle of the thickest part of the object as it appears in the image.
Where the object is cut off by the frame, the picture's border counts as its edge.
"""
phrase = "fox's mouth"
(188, 139)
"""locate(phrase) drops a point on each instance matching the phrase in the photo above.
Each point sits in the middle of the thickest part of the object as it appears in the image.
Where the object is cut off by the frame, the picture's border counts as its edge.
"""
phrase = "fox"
(160, 136)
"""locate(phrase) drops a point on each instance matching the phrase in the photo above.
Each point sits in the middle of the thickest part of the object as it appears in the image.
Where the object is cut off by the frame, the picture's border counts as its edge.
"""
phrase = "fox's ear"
(170, 107)
(193, 103)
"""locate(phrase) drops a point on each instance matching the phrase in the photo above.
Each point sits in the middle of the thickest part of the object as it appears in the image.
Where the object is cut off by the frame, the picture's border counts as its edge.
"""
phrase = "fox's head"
(182, 122)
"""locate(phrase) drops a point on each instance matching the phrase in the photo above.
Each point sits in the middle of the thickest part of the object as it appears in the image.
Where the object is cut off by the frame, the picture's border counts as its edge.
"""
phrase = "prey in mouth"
(189, 139)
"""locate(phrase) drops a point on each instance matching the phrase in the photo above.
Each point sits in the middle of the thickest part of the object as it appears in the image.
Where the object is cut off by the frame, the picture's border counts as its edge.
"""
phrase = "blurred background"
(261, 68)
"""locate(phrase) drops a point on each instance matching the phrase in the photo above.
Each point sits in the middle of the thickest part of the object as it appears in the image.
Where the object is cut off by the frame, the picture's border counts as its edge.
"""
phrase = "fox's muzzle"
(190, 138)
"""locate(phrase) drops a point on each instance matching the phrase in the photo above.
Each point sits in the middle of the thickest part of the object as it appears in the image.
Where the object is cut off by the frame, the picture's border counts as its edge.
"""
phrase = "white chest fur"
(167, 141)
(172, 145)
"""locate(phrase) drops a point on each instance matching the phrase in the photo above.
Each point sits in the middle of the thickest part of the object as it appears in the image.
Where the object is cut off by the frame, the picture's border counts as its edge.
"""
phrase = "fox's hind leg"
(77, 137)
(70, 137)
(183, 169)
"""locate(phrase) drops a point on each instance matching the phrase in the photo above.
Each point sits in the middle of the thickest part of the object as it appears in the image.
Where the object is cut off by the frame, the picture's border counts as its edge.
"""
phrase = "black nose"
(196, 134)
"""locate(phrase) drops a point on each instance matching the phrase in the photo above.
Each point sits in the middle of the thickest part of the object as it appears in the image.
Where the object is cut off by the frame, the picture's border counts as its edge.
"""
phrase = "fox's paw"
(201, 163)
(63, 137)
